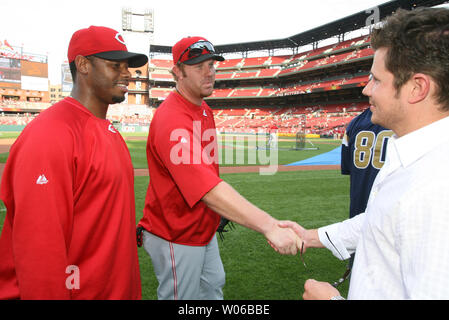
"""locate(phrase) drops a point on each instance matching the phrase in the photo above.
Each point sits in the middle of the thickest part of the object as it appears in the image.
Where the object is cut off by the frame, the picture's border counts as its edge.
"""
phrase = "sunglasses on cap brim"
(197, 49)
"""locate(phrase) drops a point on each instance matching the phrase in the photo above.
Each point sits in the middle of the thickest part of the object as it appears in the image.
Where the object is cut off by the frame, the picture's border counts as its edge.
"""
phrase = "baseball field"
(312, 196)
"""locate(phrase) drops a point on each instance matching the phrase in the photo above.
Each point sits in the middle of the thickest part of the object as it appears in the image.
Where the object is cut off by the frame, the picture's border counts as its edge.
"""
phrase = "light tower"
(138, 28)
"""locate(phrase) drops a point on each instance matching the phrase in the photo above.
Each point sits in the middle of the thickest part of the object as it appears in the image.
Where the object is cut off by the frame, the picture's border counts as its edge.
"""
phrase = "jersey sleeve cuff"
(329, 238)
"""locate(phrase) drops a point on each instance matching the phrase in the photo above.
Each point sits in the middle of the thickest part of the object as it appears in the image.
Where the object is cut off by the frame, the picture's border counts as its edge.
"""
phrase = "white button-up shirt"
(402, 240)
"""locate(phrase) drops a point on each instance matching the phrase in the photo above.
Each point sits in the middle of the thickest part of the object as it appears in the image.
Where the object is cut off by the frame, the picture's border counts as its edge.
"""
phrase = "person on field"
(68, 187)
(185, 196)
(400, 241)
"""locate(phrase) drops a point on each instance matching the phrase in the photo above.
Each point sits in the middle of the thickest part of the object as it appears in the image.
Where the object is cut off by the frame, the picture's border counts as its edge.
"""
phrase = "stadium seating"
(224, 75)
(268, 73)
(320, 119)
(159, 93)
(161, 76)
(245, 92)
(221, 93)
(160, 63)
(242, 75)
(255, 62)
(13, 105)
(16, 120)
(329, 119)
(229, 64)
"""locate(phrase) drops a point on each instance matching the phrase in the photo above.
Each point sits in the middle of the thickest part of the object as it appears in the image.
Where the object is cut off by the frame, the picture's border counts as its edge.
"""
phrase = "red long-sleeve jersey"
(69, 232)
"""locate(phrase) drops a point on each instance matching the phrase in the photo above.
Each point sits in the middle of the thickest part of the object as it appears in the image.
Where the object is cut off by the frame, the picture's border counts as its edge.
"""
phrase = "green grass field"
(253, 270)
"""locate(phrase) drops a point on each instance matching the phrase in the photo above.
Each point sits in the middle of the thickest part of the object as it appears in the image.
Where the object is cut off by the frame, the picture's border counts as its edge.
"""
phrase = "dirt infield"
(5, 145)
(279, 168)
(244, 169)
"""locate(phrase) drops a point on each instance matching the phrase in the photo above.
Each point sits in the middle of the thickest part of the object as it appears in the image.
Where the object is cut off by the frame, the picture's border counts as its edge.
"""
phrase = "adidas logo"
(42, 179)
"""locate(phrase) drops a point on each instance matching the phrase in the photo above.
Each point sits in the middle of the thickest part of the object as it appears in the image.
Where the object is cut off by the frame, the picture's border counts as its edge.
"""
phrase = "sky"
(45, 26)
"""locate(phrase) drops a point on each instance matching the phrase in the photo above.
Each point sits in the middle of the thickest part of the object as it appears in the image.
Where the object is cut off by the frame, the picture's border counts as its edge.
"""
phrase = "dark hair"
(417, 42)
(73, 69)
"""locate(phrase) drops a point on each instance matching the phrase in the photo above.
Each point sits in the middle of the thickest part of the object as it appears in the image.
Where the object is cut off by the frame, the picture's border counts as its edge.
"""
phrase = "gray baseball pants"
(186, 272)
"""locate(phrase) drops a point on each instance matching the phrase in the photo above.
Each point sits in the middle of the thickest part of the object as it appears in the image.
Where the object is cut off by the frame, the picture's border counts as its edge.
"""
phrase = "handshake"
(285, 237)
(288, 237)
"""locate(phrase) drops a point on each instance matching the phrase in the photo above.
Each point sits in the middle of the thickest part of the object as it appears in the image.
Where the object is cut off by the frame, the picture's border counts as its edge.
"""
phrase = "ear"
(82, 64)
(420, 87)
(177, 71)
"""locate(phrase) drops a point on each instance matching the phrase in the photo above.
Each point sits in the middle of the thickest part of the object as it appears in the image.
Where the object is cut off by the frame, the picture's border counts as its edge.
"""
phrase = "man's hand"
(283, 240)
(317, 290)
(309, 237)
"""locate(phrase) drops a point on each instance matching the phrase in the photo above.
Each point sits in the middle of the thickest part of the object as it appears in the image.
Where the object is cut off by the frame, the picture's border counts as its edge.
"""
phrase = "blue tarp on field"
(330, 158)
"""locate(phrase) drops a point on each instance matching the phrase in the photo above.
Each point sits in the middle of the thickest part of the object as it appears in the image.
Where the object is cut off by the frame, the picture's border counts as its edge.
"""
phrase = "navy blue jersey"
(362, 155)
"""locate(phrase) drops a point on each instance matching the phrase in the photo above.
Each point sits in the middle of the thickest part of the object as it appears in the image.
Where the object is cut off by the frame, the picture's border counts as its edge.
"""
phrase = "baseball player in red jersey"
(186, 196)
(68, 187)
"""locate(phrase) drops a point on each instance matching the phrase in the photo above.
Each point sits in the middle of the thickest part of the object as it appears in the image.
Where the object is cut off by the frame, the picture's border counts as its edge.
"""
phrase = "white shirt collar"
(416, 144)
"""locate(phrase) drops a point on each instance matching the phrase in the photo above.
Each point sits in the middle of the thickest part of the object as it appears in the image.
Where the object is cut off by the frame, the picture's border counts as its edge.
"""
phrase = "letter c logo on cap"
(120, 39)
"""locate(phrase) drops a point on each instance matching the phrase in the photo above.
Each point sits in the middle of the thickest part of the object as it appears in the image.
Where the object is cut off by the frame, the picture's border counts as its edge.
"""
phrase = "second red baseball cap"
(180, 51)
(105, 43)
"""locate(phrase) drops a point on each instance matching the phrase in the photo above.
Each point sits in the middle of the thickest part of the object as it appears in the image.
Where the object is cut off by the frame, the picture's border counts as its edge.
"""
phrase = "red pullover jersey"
(69, 231)
(182, 155)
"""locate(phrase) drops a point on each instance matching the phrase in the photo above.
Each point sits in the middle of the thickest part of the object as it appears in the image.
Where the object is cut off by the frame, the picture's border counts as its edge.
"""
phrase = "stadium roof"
(329, 30)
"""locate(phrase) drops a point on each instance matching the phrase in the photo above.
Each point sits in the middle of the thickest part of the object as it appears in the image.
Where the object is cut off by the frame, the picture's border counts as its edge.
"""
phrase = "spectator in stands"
(185, 200)
(68, 187)
(401, 238)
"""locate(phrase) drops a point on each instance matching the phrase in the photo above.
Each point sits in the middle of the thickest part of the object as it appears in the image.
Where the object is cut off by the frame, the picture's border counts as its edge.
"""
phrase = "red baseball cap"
(104, 43)
(193, 50)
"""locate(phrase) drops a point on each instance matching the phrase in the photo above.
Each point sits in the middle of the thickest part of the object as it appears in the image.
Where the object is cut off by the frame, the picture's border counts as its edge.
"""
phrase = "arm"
(42, 214)
(340, 238)
(227, 202)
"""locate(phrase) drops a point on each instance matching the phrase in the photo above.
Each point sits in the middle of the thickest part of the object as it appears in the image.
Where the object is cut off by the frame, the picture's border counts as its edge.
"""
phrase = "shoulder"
(171, 114)
(362, 121)
(59, 122)
(67, 111)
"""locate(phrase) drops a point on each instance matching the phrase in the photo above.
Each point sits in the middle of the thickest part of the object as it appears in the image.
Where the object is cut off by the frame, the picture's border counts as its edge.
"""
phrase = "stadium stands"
(267, 78)
(24, 106)
(16, 120)
(264, 79)
(328, 120)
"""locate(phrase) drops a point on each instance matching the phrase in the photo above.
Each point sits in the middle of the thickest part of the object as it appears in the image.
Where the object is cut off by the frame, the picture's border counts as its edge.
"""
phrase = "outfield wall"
(10, 128)
(120, 127)
(279, 134)
(145, 129)
(131, 128)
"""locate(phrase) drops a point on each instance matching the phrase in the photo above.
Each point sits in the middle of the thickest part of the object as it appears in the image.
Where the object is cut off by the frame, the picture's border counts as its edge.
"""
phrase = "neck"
(420, 119)
(90, 102)
(191, 98)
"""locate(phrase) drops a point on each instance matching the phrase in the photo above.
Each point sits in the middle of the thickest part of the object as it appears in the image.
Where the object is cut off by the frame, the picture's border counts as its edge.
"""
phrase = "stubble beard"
(117, 99)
